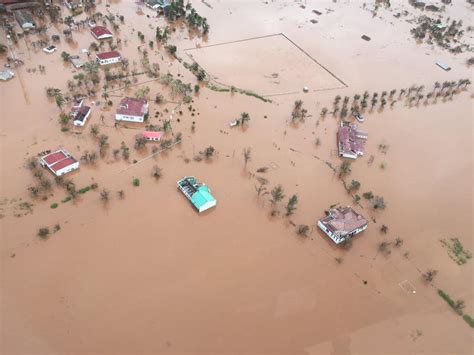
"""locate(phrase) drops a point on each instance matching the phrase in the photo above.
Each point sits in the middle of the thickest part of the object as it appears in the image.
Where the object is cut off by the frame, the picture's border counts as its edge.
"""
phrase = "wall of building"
(129, 118)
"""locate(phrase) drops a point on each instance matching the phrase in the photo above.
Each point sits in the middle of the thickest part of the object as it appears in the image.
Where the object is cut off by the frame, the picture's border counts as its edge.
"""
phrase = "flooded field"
(144, 273)
(267, 65)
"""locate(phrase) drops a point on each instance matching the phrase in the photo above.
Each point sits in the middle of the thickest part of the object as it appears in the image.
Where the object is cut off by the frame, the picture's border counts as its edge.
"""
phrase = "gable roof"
(132, 107)
(152, 135)
(108, 55)
(99, 31)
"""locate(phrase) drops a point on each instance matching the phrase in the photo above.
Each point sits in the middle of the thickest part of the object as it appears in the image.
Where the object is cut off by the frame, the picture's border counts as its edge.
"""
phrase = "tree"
(95, 130)
(384, 247)
(261, 189)
(378, 202)
(43, 232)
(156, 172)
(103, 144)
(59, 99)
(31, 163)
(344, 169)
(398, 242)
(324, 111)
(247, 153)
(302, 230)
(384, 229)
(209, 152)
(140, 142)
(244, 118)
(66, 56)
(125, 150)
(277, 194)
(459, 305)
(430, 275)
(104, 196)
(354, 186)
(291, 205)
(121, 194)
(167, 125)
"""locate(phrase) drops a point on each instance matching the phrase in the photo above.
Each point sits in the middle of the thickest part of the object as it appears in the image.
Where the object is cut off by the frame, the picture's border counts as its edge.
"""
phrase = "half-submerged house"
(350, 141)
(132, 110)
(24, 19)
(152, 136)
(342, 223)
(101, 32)
(80, 113)
(199, 194)
(59, 162)
(108, 57)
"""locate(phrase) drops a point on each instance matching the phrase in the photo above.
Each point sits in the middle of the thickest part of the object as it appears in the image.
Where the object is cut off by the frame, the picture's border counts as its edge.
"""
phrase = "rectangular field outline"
(344, 85)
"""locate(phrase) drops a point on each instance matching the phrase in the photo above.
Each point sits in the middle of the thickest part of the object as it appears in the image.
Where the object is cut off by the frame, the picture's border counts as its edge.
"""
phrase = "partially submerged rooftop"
(342, 223)
(350, 140)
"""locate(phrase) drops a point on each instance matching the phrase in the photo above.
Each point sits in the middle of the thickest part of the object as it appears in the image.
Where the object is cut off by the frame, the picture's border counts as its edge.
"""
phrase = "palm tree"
(430, 274)
(324, 111)
(277, 194)
(398, 242)
(104, 196)
(156, 172)
(247, 153)
(291, 206)
(244, 117)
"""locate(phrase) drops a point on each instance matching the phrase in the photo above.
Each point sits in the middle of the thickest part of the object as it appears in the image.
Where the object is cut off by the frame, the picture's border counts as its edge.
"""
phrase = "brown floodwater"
(148, 275)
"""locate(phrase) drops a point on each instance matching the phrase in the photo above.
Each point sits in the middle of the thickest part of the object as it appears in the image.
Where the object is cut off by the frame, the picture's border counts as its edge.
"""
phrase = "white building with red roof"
(152, 136)
(106, 58)
(59, 162)
(132, 110)
(80, 115)
(350, 141)
(101, 32)
(342, 223)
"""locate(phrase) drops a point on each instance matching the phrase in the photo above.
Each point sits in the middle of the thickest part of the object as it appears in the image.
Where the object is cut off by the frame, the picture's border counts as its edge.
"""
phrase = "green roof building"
(199, 194)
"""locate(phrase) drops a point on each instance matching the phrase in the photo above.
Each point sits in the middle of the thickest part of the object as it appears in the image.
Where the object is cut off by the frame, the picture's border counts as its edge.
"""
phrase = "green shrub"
(66, 199)
(84, 189)
(54, 205)
(43, 232)
(469, 320)
(136, 182)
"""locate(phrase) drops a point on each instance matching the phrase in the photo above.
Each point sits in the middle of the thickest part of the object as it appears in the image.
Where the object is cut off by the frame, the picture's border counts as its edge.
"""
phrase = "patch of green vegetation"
(456, 250)
(84, 189)
(136, 182)
(54, 205)
(66, 199)
(446, 297)
(469, 320)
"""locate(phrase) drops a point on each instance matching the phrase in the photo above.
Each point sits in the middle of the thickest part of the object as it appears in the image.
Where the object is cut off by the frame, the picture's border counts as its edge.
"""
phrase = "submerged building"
(342, 223)
(199, 194)
(106, 58)
(59, 162)
(132, 110)
(25, 20)
(350, 141)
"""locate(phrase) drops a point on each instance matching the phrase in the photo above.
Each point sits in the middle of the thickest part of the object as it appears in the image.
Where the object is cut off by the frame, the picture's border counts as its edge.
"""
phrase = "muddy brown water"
(148, 275)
